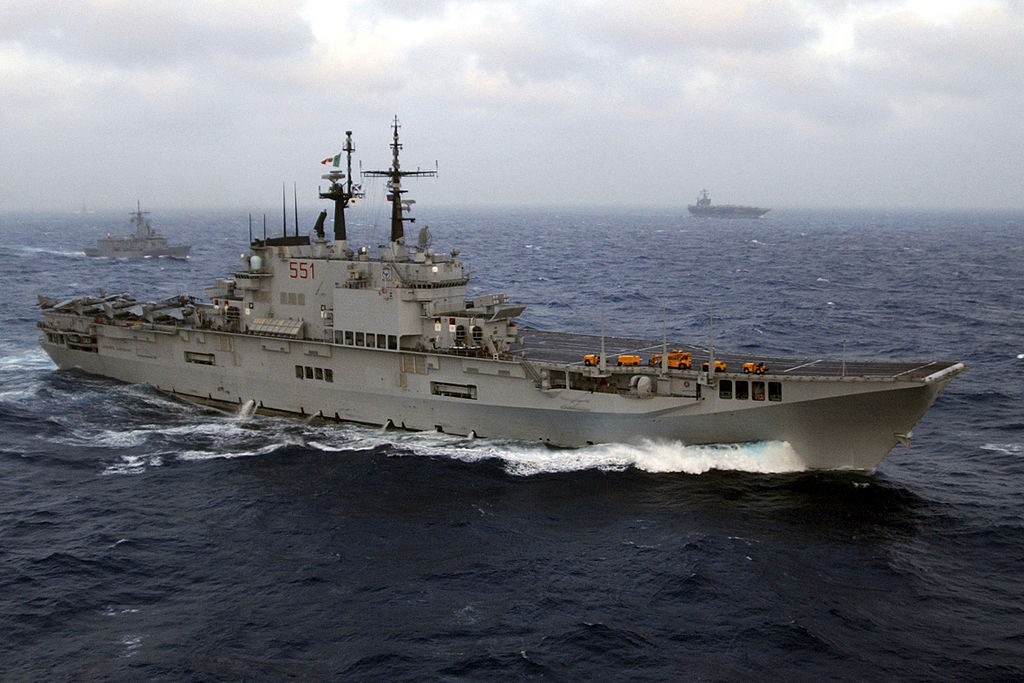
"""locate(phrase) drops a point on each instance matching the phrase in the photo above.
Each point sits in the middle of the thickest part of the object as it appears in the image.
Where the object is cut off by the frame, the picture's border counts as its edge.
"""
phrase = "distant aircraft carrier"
(704, 208)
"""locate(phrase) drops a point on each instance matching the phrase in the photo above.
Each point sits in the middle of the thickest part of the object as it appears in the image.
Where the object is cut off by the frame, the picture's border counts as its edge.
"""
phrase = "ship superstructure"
(144, 242)
(312, 327)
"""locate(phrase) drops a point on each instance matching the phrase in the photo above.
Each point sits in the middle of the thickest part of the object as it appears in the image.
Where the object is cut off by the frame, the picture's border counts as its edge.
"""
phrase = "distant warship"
(145, 242)
(704, 208)
(311, 327)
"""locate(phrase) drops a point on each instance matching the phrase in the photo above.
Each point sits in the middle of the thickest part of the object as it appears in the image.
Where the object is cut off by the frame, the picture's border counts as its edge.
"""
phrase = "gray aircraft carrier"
(705, 209)
(312, 327)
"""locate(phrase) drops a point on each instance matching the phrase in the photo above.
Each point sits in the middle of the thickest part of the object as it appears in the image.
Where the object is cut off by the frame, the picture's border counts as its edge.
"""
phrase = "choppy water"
(144, 538)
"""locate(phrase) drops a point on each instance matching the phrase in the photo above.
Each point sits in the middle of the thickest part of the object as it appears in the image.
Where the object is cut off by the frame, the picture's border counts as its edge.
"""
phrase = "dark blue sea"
(143, 538)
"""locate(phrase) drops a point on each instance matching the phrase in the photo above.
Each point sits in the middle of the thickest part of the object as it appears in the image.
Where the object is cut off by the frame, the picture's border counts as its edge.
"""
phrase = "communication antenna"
(711, 341)
(284, 213)
(601, 364)
(664, 337)
(395, 175)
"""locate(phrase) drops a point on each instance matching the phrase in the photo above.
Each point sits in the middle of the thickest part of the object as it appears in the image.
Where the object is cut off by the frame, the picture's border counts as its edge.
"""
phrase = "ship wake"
(232, 437)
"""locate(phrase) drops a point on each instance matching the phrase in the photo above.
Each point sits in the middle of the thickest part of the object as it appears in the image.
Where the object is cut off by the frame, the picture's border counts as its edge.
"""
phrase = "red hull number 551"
(300, 269)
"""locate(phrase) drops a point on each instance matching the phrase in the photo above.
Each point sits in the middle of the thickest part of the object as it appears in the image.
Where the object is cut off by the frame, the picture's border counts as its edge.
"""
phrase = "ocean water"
(144, 538)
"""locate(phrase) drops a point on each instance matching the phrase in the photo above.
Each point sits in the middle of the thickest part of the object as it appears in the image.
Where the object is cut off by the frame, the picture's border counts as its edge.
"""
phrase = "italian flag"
(336, 159)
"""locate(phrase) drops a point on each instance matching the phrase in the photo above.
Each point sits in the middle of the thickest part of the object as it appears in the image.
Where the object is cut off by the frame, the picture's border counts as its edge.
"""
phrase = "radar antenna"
(425, 238)
(342, 193)
(395, 175)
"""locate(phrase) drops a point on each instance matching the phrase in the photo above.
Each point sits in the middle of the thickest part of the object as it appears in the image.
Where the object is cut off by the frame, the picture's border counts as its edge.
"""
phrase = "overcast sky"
(193, 104)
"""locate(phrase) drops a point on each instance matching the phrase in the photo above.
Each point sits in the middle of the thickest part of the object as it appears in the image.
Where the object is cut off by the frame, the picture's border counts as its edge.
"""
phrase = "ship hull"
(727, 211)
(178, 252)
(837, 424)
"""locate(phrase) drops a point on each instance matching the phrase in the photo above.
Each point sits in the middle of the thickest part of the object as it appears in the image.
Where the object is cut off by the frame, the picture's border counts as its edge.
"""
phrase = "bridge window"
(724, 388)
(742, 391)
(774, 391)
(757, 390)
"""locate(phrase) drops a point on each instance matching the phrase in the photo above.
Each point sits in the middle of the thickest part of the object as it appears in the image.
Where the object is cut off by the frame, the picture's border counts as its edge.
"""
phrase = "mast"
(711, 344)
(395, 175)
(664, 338)
(142, 227)
(341, 193)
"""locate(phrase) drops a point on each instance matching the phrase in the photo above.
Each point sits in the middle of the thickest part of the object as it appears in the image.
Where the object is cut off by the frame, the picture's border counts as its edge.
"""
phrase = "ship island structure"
(312, 327)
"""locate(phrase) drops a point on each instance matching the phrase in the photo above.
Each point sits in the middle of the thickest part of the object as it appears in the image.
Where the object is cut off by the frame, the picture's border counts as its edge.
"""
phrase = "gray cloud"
(139, 35)
(520, 101)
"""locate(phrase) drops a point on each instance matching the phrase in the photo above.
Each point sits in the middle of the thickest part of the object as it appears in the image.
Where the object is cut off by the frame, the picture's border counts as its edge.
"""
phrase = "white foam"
(116, 439)
(768, 457)
(131, 643)
(526, 459)
(228, 455)
(1004, 448)
(30, 360)
(218, 432)
(221, 430)
(655, 457)
(32, 252)
(133, 464)
(17, 395)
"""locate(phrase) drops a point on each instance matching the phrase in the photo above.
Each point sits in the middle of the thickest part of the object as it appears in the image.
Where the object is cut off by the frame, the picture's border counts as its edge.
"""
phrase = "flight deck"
(543, 346)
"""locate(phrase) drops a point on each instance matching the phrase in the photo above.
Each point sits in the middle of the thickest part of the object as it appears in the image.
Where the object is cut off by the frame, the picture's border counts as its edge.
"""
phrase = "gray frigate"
(312, 327)
(144, 242)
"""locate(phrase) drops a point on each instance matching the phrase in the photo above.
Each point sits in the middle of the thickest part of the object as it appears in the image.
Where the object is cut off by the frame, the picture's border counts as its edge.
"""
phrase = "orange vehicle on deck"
(677, 359)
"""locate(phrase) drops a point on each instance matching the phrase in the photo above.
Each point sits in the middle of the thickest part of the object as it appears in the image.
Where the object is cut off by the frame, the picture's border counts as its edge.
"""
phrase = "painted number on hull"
(301, 270)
